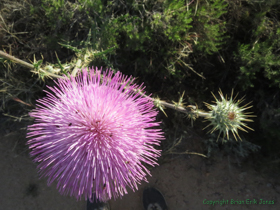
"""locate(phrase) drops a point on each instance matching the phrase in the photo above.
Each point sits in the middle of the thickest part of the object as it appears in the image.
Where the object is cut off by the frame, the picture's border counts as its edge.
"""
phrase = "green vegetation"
(171, 45)
(261, 55)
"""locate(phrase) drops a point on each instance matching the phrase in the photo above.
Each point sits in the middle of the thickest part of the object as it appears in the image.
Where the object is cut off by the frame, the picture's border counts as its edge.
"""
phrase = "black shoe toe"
(153, 199)
(96, 205)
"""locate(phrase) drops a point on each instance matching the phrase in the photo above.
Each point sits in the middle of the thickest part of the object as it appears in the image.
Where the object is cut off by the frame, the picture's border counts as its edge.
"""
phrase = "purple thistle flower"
(93, 134)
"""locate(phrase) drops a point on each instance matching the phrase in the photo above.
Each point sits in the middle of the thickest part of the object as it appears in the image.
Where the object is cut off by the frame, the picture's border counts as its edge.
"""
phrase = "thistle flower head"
(226, 116)
(93, 133)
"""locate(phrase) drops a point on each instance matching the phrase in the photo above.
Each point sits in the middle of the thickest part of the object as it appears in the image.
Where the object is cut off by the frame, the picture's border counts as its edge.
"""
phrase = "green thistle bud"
(226, 116)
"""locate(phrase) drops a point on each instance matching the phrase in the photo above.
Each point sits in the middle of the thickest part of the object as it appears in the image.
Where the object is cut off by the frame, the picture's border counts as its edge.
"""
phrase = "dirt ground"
(187, 182)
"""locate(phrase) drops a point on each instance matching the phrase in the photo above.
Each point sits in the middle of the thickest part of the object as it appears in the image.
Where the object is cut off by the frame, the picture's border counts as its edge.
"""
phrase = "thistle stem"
(25, 64)
(189, 109)
(16, 60)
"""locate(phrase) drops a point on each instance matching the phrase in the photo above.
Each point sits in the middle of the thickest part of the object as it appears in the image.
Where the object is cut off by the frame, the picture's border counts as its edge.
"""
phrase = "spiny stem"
(25, 64)
(16, 60)
(187, 110)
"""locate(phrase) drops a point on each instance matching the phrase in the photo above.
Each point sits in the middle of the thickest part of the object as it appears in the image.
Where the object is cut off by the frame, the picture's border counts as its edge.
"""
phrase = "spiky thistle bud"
(226, 116)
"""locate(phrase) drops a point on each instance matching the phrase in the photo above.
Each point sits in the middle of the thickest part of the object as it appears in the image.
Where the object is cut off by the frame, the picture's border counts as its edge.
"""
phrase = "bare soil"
(187, 182)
